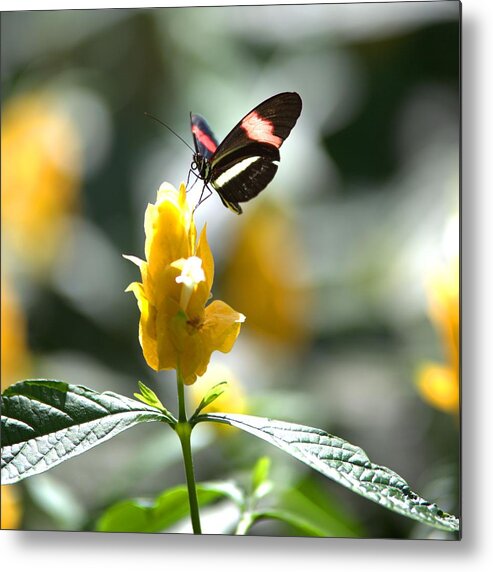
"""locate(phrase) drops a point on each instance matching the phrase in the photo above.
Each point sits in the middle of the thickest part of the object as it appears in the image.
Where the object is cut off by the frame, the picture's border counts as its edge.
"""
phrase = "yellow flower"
(41, 167)
(232, 400)
(11, 510)
(439, 383)
(14, 348)
(260, 277)
(14, 365)
(177, 330)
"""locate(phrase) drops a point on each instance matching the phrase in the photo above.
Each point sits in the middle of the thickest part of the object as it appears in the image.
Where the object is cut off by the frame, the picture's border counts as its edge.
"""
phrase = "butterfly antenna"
(169, 128)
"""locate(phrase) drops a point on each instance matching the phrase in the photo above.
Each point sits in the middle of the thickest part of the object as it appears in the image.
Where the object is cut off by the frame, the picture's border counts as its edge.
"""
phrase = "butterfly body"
(244, 163)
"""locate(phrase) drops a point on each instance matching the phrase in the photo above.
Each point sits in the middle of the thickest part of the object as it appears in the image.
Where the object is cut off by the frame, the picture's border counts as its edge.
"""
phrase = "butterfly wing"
(267, 124)
(243, 178)
(203, 138)
(243, 164)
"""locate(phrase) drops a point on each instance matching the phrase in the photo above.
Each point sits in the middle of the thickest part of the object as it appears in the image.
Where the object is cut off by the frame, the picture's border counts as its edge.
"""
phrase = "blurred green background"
(341, 266)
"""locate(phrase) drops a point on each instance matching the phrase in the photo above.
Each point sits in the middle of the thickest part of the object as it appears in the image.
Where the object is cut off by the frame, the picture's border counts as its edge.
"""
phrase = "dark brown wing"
(267, 125)
(244, 180)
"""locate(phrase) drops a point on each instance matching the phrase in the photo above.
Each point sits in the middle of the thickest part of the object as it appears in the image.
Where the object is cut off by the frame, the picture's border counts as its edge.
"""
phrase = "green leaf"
(148, 396)
(344, 463)
(293, 519)
(46, 422)
(311, 500)
(56, 500)
(140, 515)
(260, 474)
(315, 516)
(319, 512)
(213, 393)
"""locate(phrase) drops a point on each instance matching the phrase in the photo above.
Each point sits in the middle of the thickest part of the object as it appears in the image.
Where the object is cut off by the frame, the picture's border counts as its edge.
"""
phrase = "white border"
(54, 552)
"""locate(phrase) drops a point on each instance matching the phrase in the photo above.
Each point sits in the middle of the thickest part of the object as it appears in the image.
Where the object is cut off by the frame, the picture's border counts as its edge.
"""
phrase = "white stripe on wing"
(235, 170)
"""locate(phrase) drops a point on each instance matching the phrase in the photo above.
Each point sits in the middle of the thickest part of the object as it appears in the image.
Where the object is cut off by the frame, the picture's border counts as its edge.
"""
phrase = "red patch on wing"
(203, 138)
(261, 130)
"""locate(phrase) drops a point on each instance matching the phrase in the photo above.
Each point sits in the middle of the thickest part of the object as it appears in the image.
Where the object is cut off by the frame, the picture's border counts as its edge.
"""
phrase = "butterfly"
(244, 163)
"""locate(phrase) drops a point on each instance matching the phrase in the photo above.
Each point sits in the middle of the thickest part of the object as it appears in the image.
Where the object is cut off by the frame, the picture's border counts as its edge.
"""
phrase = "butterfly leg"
(191, 171)
(193, 184)
(202, 198)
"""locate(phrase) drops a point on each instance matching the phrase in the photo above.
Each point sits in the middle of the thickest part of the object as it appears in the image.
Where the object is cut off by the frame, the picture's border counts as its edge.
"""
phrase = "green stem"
(246, 521)
(184, 431)
(192, 491)
(182, 412)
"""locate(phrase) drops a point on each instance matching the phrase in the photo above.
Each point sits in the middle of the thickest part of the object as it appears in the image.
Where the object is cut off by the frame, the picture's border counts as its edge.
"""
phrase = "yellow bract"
(177, 329)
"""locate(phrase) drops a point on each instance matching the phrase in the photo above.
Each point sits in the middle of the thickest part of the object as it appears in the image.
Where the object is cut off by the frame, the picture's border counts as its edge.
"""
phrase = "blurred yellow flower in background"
(41, 168)
(14, 366)
(438, 384)
(11, 509)
(15, 358)
(260, 277)
(177, 330)
(232, 400)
